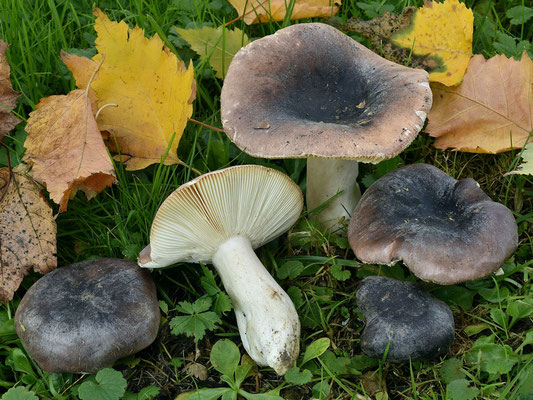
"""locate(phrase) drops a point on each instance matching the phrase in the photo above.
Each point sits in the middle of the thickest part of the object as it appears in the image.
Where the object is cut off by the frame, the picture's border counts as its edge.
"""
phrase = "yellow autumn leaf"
(152, 89)
(217, 45)
(442, 31)
(255, 11)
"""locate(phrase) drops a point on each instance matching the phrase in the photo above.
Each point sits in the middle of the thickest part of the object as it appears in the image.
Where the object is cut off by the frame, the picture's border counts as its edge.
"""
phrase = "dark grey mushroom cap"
(85, 316)
(310, 90)
(417, 325)
(445, 231)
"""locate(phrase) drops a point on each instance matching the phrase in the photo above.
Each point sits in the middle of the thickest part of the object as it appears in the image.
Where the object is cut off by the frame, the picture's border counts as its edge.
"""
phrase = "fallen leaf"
(490, 112)
(197, 370)
(27, 232)
(444, 31)
(255, 11)
(82, 68)
(66, 148)
(374, 385)
(436, 37)
(217, 45)
(526, 166)
(8, 97)
(152, 89)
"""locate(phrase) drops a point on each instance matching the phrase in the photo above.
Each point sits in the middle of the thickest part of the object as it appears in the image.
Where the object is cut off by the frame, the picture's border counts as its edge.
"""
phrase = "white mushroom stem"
(267, 320)
(325, 178)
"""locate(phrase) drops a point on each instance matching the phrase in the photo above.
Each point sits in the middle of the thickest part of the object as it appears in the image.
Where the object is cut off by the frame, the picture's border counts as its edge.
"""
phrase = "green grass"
(491, 314)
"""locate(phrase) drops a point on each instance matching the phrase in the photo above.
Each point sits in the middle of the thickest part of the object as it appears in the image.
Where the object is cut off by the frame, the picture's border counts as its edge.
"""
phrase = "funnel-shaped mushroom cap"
(310, 90)
(445, 231)
(84, 317)
(251, 201)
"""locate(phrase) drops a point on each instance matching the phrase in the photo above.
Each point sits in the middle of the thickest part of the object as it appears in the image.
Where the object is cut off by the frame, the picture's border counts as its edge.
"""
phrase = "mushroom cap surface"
(445, 231)
(417, 325)
(256, 202)
(85, 316)
(310, 90)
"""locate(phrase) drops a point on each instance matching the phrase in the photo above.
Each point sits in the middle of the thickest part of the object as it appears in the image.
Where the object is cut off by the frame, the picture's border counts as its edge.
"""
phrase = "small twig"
(74, 383)
(234, 20)
(183, 164)
(93, 75)
(207, 126)
(104, 106)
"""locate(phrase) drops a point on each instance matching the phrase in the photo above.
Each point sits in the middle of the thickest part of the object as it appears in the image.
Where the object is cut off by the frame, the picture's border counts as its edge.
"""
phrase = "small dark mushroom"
(85, 316)
(401, 315)
(445, 231)
(310, 91)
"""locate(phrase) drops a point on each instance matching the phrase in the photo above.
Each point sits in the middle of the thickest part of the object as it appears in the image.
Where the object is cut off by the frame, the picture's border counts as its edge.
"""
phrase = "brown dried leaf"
(255, 11)
(375, 385)
(27, 232)
(66, 148)
(490, 112)
(199, 371)
(8, 97)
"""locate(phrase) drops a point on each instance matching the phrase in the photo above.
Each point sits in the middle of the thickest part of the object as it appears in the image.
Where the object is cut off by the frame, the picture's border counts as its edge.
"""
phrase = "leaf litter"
(27, 231)
(8, 97)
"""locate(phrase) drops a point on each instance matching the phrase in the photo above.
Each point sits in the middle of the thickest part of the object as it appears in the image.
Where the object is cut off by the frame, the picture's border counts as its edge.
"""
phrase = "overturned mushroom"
(311, 91)
(403, 320)
(85, 316)
(445, 231)
(220, 218)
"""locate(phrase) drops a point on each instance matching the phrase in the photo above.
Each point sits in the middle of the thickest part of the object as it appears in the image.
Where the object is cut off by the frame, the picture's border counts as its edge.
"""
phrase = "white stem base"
(325, 178)
(267, 320)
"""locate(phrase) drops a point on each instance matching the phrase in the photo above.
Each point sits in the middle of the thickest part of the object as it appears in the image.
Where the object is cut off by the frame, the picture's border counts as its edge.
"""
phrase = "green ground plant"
(196, 349)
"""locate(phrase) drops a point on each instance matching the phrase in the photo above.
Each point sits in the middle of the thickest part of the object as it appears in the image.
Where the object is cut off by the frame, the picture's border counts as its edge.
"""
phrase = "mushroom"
(445, 231)
(85, 316)
(220, 218)
(311, 91)
(402, 317)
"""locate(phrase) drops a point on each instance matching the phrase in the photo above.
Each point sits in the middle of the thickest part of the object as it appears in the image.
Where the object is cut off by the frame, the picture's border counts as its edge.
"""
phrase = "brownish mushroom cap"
(310, 90)
(445, 231)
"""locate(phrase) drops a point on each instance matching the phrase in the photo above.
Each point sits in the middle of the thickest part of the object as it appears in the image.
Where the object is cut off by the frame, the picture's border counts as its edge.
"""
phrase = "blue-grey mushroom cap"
(401, 315)
(85, 316)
